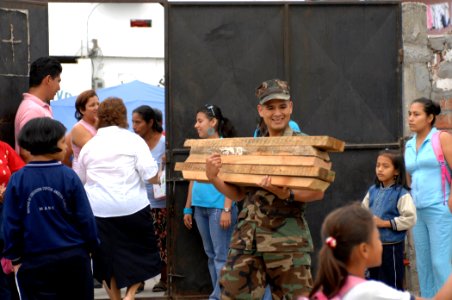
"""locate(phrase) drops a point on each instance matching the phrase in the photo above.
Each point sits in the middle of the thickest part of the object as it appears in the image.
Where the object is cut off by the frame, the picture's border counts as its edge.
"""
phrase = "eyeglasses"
(210, 107)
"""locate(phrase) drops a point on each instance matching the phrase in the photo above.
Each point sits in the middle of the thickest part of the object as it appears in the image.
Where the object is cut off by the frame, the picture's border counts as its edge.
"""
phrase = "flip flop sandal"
(159, 287)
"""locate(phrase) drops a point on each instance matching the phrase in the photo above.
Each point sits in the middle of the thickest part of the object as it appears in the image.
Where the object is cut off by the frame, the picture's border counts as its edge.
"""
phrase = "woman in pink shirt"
(86, 107)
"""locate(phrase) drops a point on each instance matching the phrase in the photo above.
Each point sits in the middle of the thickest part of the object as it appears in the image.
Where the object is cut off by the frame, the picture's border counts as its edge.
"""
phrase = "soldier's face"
(276, 115)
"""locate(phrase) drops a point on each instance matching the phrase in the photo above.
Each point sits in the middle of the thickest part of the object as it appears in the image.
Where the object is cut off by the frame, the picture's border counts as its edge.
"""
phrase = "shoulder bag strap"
(445, 176)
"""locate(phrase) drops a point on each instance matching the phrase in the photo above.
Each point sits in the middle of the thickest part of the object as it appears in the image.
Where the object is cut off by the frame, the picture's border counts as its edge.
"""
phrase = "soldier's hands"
(213, 165)
(280, 192)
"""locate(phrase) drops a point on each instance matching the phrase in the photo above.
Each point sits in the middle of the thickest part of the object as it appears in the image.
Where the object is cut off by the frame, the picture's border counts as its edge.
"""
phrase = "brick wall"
(440, 68)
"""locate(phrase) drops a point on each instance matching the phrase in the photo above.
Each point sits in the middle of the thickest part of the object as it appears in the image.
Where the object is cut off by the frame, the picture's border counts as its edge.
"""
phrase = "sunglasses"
(209, 108)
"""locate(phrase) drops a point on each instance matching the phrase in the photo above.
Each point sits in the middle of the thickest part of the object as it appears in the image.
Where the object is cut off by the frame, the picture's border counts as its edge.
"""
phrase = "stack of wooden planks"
(299, 162)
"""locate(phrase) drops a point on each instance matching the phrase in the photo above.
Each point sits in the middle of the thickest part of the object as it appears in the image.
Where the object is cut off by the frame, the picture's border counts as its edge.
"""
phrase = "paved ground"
(147, 293)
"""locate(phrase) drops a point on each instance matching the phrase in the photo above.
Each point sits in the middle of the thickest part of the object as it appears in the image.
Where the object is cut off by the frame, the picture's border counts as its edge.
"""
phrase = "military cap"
(272, 89)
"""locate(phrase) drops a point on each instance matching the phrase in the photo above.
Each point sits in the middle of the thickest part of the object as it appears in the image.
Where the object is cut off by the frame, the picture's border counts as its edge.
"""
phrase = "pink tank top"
(76, 149)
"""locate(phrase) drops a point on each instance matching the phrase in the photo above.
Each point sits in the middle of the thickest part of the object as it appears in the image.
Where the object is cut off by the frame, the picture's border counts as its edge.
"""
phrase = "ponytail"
(226, 129)
(331, 275)
(342, 230)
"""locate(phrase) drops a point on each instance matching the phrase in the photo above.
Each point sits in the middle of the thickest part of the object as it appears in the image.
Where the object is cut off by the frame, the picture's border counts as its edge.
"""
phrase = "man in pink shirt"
(44, 83)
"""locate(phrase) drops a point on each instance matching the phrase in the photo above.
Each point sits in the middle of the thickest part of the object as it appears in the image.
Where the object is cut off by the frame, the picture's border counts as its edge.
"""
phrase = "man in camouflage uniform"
(271, 242)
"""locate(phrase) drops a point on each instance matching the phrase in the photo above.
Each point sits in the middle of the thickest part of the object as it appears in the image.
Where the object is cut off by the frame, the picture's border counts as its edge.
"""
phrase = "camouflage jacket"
(269, 224)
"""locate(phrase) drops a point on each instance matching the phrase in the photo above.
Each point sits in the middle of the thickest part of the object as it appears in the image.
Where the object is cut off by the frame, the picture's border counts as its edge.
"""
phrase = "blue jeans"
(215, 240)
(433, 244)
(268, 293)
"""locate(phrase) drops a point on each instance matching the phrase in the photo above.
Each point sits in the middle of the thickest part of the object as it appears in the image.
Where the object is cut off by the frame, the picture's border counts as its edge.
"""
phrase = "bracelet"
(188, 211)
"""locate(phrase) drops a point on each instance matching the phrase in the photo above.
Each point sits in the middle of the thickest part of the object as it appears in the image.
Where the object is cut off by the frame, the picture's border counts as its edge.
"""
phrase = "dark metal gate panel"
(344, 68)
(23, 38)
(215, 55)
(341, 60)
(344, 61)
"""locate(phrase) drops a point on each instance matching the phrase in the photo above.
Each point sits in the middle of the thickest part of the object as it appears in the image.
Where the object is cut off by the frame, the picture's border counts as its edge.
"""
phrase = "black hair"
(158, 115)
(224, 127)
(398, 162)
(430, 107)
(40, 136)
(42, 67)
(262, 129)
(147, 114)
(348, 226)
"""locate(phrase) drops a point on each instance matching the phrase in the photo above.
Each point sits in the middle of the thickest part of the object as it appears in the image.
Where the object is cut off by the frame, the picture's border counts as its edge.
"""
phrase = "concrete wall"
(427, 64)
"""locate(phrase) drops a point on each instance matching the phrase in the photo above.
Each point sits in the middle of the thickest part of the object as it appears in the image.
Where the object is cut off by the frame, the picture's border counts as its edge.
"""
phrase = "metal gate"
(342, 63)
(23, 38)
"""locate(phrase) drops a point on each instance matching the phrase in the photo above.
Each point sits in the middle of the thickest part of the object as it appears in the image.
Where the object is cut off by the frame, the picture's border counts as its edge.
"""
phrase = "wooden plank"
(253, 180)
(322, 142)
(296, 171)
(263, 150)
(310, 161)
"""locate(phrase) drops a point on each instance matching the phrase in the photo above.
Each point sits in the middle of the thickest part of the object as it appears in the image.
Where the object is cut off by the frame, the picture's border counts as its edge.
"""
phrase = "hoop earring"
(210, 131)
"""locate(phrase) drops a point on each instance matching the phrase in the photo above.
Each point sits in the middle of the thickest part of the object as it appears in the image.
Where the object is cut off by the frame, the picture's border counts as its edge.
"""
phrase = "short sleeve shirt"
(374, 290)
(425, 173)
(31, 107)
(114, 166)
(10, 162)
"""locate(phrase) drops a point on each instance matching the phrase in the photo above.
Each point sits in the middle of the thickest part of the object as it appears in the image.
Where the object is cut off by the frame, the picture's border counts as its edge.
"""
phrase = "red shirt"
(10, 162)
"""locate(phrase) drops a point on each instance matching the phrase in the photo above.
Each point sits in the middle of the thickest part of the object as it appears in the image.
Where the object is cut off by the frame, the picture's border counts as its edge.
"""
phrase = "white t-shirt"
(114, 166)
(374, 290)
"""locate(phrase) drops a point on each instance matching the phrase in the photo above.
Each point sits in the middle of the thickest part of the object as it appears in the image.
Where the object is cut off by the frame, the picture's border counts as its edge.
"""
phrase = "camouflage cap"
(272, 89)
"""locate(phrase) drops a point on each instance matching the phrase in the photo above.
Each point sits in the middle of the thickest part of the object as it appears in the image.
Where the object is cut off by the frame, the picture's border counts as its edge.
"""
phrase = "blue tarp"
(133, 94)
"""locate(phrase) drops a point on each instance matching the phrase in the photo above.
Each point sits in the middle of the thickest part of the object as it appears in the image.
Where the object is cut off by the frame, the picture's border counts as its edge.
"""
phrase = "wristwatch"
(291, 197)
(227, 209)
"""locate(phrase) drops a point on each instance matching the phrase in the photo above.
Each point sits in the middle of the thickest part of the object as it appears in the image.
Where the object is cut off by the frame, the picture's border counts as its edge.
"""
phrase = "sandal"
(159, 287)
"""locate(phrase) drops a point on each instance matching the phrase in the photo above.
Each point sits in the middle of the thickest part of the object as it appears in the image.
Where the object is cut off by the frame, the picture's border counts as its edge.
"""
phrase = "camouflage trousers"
(246, 274)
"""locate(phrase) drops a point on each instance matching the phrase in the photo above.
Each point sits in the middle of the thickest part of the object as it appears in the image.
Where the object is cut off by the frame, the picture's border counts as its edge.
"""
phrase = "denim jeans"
(268, 293)
(215, 240)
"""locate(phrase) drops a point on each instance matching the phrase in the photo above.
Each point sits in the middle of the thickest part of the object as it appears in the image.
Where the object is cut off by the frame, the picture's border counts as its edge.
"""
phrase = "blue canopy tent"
(133, 94)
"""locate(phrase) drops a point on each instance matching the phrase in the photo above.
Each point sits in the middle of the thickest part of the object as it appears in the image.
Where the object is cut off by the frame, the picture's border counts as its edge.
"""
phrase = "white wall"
(75, 78)
(71, 25)
(127, 53)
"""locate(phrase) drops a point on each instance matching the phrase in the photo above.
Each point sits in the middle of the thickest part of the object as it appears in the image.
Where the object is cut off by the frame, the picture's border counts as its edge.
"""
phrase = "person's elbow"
(314, 196)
